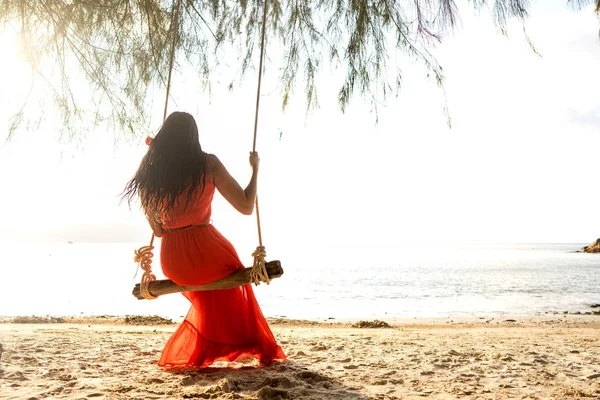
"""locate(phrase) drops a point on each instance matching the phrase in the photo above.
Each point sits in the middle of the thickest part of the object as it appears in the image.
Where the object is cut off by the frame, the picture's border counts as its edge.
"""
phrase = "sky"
(519, 163)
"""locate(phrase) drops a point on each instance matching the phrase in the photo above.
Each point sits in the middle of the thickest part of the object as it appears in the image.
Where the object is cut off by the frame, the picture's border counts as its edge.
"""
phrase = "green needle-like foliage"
(121, 48)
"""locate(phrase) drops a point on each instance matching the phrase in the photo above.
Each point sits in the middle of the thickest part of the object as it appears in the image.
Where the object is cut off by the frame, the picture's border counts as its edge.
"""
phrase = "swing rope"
(259, 273)
(175, 23)
(143, 256)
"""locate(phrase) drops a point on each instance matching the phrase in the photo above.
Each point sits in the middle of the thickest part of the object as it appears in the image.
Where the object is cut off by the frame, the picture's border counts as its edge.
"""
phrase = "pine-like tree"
(122, 47)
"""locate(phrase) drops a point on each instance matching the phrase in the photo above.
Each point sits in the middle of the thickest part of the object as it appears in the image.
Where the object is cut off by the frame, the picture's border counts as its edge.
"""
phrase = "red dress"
(222, 325)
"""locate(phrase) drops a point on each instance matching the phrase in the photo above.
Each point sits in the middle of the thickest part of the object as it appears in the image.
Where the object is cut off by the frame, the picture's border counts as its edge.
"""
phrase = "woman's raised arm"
(241, 199)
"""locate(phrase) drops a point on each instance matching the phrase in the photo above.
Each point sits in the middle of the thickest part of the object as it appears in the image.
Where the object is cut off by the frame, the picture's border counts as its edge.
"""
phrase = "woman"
(176, 181)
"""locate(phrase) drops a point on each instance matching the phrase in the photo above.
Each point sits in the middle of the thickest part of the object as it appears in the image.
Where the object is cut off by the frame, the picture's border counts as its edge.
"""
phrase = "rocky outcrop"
(592, 248)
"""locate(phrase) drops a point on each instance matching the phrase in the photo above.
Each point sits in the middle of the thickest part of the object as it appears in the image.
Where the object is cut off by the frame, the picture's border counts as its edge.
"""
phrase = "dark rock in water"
(595, 306)
(592, 248)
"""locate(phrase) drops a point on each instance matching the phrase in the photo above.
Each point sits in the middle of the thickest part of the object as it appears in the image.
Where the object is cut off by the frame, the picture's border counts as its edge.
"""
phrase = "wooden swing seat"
(237, 278)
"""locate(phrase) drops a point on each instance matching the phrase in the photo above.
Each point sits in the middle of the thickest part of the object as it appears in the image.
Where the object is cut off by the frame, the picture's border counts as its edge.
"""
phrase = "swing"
(150, 288)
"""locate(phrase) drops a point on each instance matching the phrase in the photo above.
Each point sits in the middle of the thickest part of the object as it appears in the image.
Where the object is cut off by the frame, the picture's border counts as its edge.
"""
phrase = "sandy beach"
(106, 358)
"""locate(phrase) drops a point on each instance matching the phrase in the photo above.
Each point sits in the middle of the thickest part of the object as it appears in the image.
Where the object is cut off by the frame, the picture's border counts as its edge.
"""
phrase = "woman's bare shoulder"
(211, 158)
(213, 164)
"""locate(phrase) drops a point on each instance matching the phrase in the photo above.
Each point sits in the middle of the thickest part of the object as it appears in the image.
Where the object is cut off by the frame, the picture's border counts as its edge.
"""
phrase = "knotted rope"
(143, 256)
(259, 273)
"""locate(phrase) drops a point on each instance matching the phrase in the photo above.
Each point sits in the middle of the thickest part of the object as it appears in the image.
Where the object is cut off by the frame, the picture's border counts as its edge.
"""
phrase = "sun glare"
(12, 61)
(14, 70)
(16, 81)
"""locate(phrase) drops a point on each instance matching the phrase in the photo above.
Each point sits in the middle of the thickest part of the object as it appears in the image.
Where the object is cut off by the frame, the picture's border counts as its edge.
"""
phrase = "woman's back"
(197, 211)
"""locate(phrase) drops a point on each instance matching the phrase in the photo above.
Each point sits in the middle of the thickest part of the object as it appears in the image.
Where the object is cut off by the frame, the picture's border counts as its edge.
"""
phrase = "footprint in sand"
(379, 382)
(225, 385)
(524, 364)
(280, 382)
(53, 372)
(188, 381)
(269, 393)
(56, 391)
(15, 376)
(312, 377)
(30, 360)
(574, 366)
(570, 374)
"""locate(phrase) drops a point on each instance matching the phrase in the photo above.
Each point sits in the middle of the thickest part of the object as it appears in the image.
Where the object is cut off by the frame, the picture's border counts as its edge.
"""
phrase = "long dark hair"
(174, 164)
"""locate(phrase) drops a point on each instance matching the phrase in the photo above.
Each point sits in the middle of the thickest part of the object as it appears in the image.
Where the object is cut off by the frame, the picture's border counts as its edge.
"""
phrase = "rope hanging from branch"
(144, 255)
(259, 269)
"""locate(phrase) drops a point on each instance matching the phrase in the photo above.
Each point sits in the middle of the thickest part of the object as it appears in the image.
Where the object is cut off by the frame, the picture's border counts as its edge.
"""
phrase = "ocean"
(409, 280)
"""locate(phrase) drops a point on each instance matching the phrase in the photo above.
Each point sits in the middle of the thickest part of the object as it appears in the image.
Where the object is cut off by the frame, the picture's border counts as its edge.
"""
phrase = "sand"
(536, 358)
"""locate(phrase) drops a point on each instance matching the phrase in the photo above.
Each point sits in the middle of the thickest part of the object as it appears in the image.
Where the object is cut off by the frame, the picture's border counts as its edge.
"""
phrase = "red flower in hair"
(148, 140)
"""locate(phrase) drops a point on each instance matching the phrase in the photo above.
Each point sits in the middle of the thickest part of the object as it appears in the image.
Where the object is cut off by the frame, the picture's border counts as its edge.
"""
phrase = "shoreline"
(155, 320)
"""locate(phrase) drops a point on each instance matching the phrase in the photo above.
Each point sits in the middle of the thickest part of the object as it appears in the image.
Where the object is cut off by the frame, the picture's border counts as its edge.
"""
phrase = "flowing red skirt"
(221, 325)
